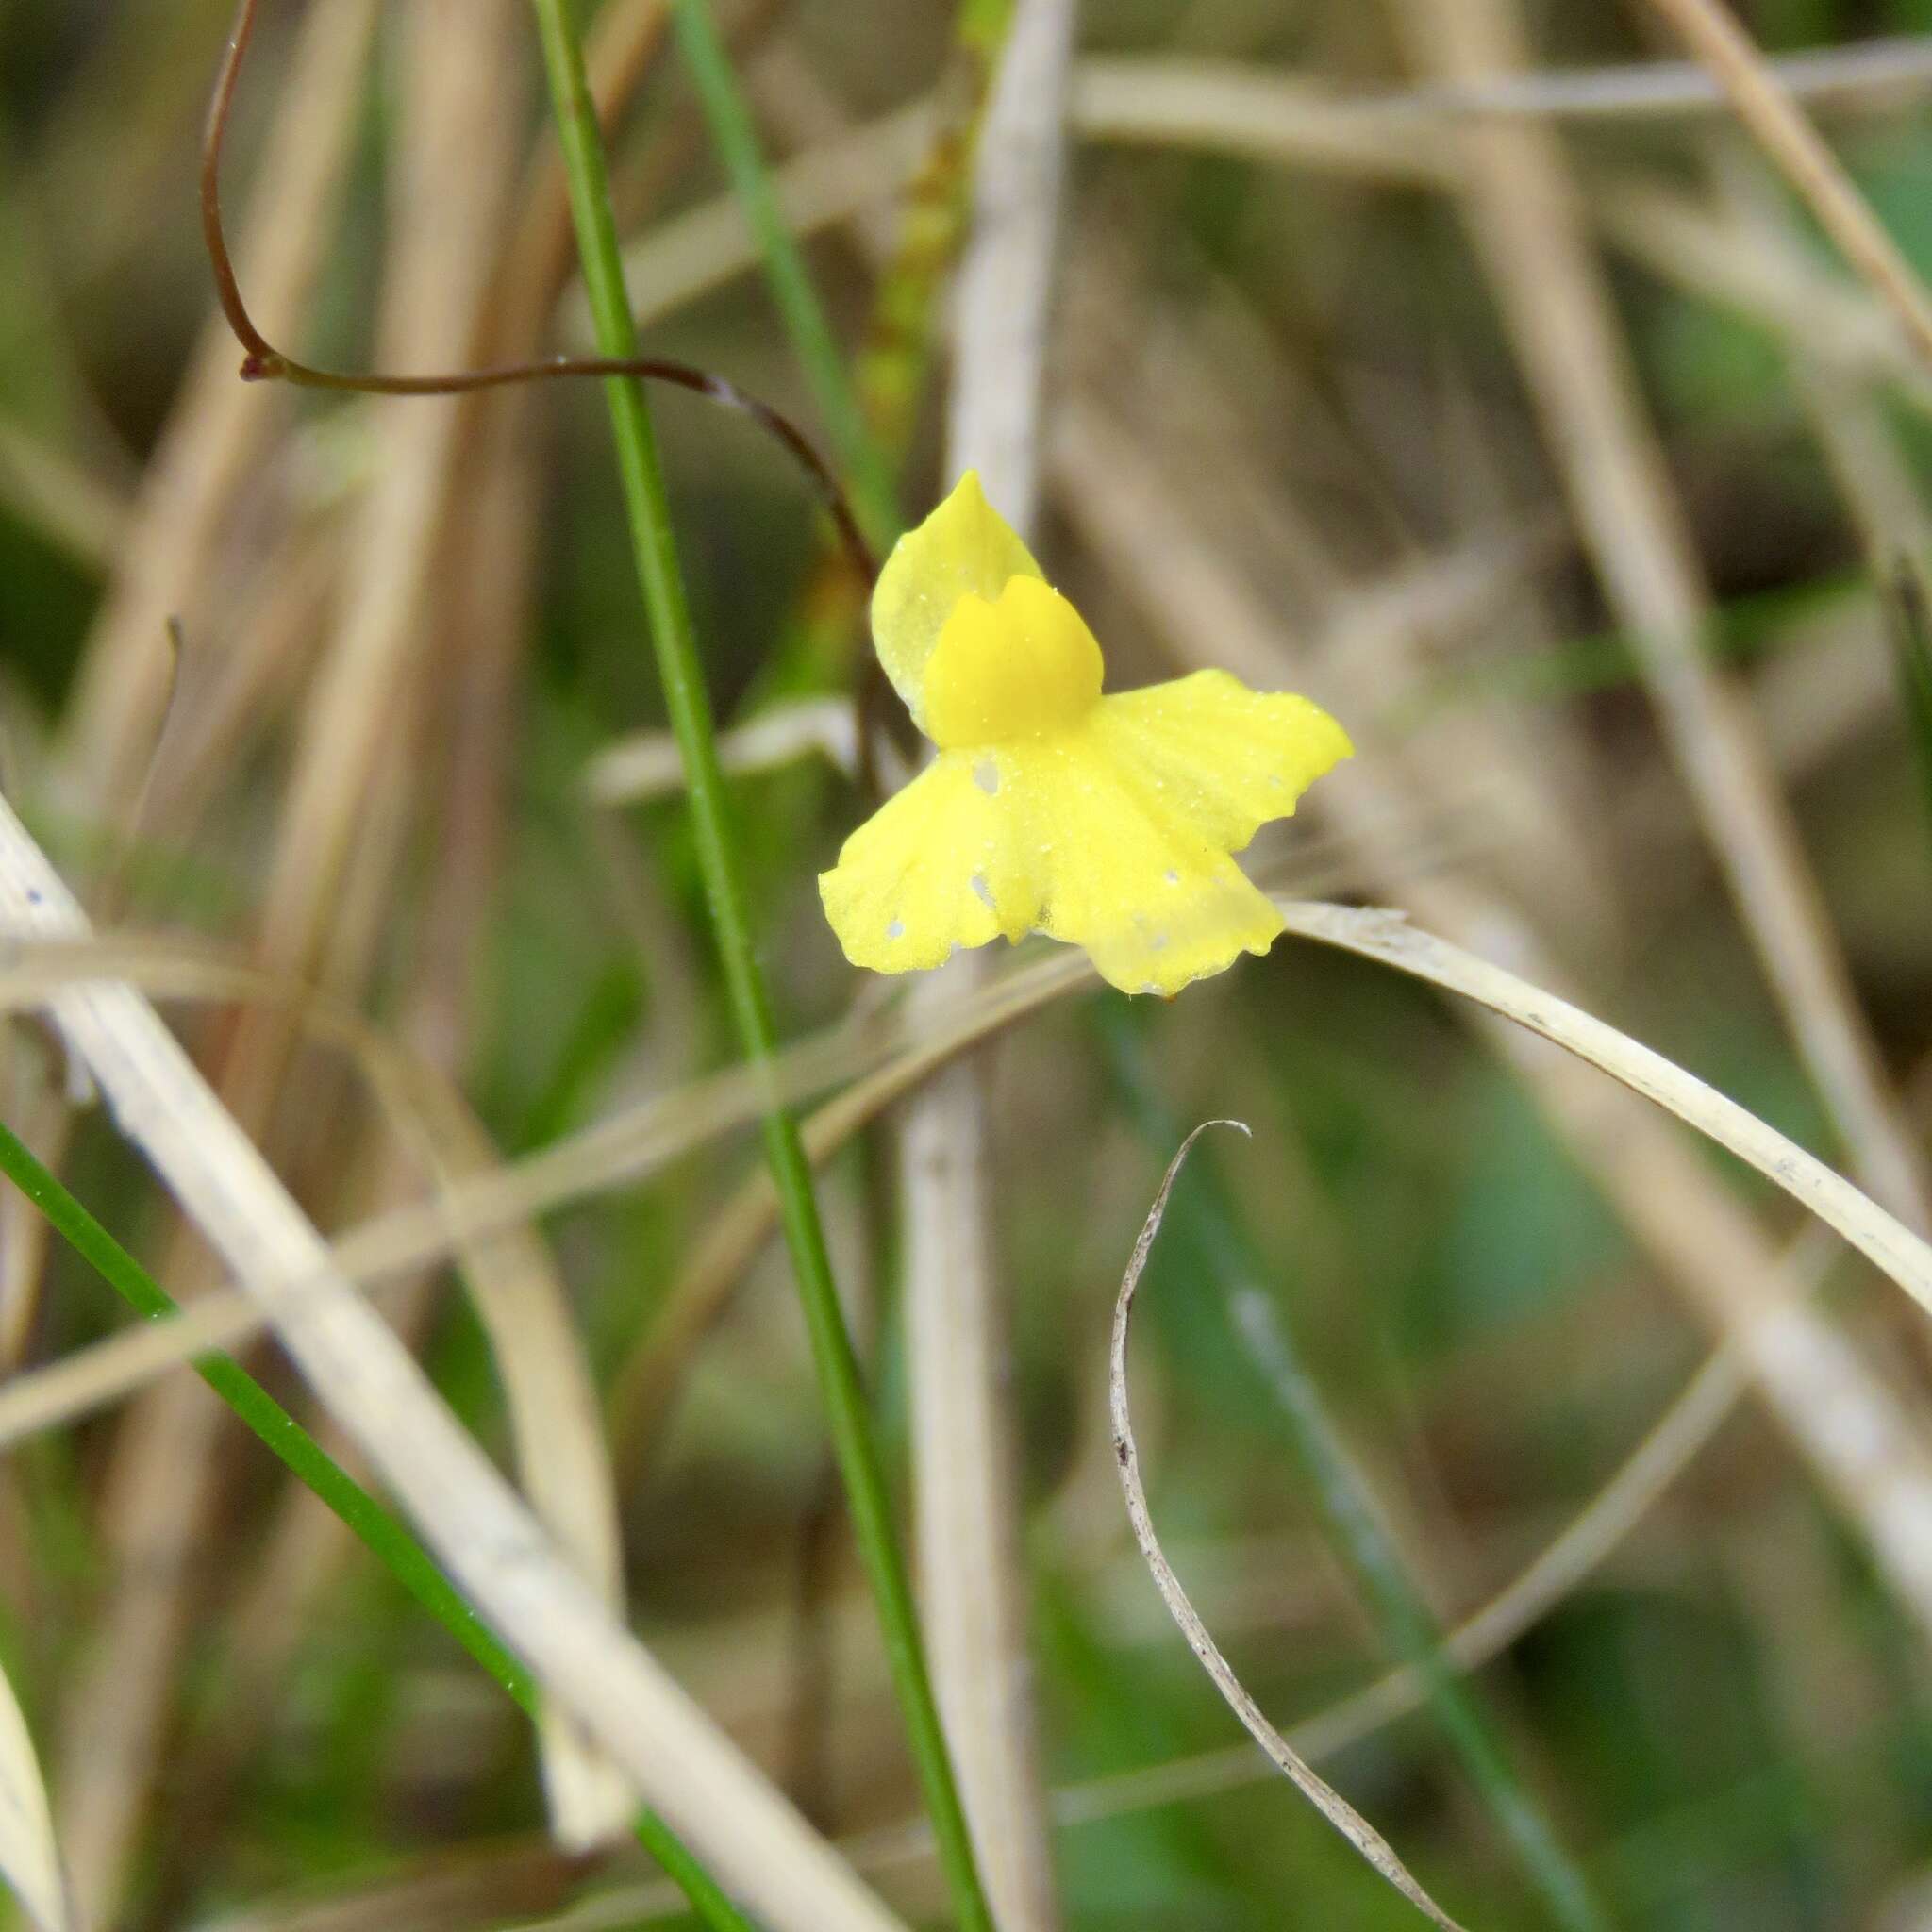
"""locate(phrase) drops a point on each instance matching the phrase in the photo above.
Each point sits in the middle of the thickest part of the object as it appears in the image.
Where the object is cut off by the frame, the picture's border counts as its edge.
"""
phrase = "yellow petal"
(964, 548)
(1153, 902)
(1216, 755)
(941, 864)
(1114, 834)
(1018, 667)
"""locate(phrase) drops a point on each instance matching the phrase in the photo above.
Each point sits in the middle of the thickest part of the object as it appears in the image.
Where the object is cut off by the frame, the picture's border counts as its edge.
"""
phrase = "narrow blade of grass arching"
(29, 1858)
(1910, 622)
(382, 1533)
(676, 645)
(1672, 1443)
(816, 347)
(1215, 1238)
(1315, 1789)
(1379, 934)
(597, 1161)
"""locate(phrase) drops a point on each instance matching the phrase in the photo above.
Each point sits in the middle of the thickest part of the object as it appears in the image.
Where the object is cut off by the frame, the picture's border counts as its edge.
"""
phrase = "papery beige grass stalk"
(486, 557)
(628, 1147)
(1752, 87)
(1393, 136)
(849, 171)
(1378, 933)
(966, 1490)
(1326, 1800)
(1866, 1446)
(494, 1549)
(1613, 1512)
(1164, 98)
(30, 1860)
(219, 429)
(1527, 222)
(352, 796)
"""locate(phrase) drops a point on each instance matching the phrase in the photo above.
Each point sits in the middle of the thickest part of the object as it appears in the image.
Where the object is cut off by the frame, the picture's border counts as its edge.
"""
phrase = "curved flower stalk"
(1105, 821)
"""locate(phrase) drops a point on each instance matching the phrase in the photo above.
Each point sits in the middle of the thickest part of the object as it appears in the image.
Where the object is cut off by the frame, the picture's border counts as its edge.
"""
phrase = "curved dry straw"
(1309, 1782)
(1388, 936)
(1666, 1450)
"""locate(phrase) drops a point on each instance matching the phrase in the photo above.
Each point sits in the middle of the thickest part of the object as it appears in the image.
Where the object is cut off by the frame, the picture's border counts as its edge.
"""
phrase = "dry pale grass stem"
(354, 790)
(1842, 1415)
(632, 1145)
(1768, 111)
(494, 1549)
(220, 430)
(348, 798)
(1215, 347)
(1178, 99)
(1887, 1243)
(1616, 1510)
(958, 1292)
(489, 554)
(1392, 137)
(1529, 222)
(29, 1858)
(1317, 1790)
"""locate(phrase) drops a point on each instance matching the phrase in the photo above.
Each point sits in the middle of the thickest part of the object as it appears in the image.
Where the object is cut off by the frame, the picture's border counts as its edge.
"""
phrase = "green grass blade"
(382, 1533)
(675, 643)
(736, 137)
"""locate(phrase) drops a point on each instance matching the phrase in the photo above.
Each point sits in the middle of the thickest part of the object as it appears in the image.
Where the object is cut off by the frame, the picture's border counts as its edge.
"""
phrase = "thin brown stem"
(263, 362)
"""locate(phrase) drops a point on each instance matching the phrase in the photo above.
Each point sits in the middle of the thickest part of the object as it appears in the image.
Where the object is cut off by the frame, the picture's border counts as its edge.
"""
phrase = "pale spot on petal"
(983, 890)
(896, 930)
(986, 774)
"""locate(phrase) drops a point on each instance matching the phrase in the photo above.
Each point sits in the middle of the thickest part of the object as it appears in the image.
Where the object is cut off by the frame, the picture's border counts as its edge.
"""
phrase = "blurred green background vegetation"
(1729, 1720)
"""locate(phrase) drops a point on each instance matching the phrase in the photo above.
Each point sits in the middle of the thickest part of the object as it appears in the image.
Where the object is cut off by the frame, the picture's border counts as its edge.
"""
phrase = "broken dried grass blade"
(1315, 1789)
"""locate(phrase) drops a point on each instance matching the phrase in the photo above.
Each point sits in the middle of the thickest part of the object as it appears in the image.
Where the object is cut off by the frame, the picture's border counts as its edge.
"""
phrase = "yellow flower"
(1106, 822)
